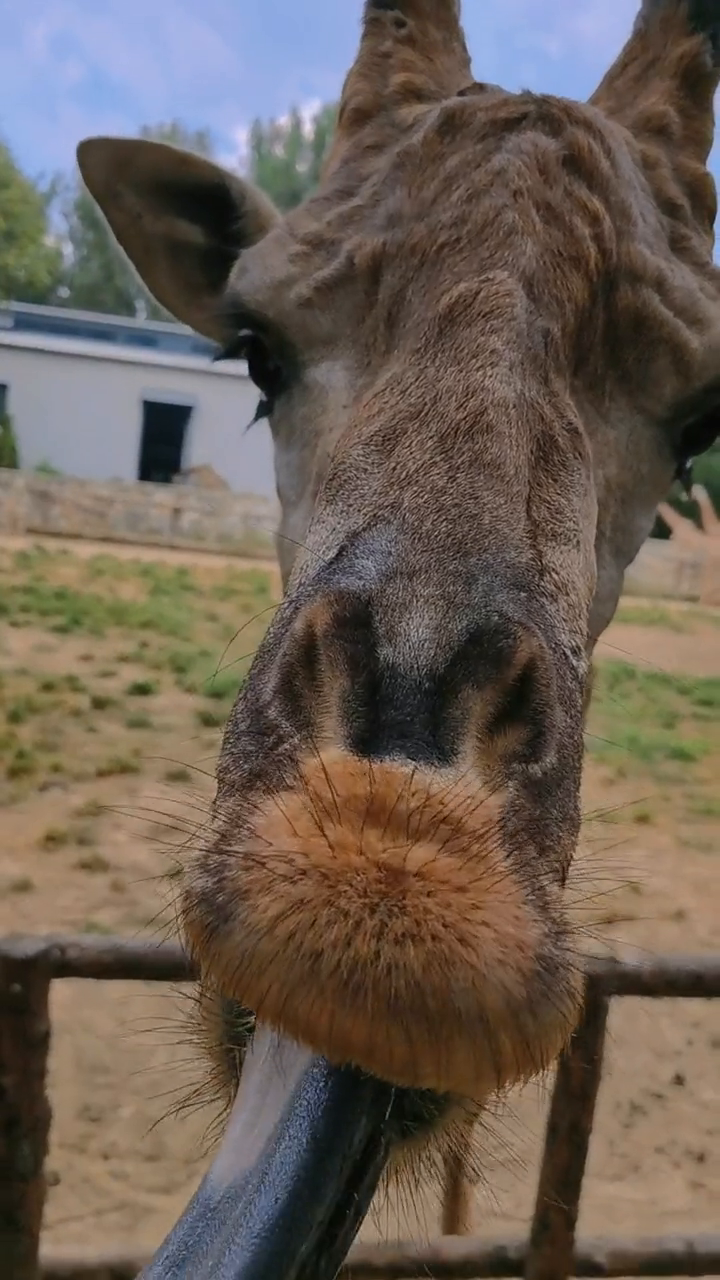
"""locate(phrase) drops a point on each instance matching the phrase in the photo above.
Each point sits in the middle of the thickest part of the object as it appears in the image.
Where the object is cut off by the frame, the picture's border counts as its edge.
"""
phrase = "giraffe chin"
(372, 913)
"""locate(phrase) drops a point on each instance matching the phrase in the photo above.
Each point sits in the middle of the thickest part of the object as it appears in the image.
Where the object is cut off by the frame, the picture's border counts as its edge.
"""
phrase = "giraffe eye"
(694, 426)
(264, 369)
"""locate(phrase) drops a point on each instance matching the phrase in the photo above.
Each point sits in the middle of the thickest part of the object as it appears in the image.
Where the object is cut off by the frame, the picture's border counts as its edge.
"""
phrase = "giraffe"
(485, 346)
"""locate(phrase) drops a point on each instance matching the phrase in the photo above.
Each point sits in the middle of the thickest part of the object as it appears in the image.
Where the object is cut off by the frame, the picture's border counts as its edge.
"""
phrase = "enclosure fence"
(28, 966)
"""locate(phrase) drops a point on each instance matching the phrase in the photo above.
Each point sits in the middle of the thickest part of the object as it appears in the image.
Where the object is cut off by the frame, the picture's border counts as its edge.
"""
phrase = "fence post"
(24, 1109)
(456, 1212)
(572, 1109)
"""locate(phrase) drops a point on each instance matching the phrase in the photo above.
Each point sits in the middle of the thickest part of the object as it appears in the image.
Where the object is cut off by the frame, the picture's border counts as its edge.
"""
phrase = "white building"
(106, 397)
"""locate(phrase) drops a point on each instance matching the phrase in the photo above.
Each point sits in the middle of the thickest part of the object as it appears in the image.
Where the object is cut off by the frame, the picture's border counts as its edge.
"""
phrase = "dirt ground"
(109, 723)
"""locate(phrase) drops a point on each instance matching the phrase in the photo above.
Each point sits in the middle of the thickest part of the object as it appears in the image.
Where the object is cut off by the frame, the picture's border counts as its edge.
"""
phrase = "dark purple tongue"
(304, 1150)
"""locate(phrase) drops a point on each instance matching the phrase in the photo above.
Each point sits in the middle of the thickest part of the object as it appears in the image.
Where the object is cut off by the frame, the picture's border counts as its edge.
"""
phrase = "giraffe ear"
(662, 85)
(181, 220)
(699, 17)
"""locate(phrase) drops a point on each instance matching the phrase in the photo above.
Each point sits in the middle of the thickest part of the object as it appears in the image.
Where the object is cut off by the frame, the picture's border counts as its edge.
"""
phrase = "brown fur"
(488, 320)
(374, 915)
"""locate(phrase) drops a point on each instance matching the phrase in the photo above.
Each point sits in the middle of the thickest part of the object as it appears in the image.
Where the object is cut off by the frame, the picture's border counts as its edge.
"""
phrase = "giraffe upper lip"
(301, 1159)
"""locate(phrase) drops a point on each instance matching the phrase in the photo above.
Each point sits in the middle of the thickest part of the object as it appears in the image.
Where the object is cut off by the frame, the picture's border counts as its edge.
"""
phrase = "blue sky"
(69, 68)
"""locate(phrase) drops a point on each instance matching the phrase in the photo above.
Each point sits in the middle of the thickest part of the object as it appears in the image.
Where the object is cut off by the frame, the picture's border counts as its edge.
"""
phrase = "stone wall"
(665, 569)
(154, 514)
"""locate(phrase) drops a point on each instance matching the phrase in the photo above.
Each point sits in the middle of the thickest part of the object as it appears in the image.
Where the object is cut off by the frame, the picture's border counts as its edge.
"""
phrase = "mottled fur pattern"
(490, 320)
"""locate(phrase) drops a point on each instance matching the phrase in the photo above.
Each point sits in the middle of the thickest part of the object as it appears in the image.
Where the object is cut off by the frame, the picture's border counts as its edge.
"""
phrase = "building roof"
(93, 326)
(121, 338)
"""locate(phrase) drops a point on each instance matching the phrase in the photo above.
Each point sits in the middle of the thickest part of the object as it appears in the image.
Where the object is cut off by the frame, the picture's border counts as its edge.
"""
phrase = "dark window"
(164, 431)
(3, 398)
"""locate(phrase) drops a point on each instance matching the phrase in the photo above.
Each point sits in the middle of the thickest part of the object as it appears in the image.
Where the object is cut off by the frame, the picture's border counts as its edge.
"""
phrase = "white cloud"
(81, 67)
(238, 155)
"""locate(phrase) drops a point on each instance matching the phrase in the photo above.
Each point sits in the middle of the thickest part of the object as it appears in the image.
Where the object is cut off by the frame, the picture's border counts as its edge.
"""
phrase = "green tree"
(30, 262)
(286, 155)
(9, 453)
(98, 275)
(176, 134)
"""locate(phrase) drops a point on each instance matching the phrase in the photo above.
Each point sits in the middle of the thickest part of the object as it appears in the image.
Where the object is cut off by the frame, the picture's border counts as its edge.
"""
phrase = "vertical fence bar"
(24, 1111)
(456, 1209)
(572, 1109)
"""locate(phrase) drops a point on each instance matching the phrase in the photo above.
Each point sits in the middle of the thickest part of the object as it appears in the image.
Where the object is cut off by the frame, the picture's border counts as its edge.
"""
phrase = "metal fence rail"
(29, 965)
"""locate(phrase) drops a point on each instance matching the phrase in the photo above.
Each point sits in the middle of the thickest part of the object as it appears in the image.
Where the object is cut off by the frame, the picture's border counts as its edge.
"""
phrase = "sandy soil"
(88, 852)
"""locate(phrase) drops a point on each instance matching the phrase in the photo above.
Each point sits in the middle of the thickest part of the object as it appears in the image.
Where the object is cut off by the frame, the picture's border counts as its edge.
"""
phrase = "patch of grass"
(642, 816)
(210, 719)
(650, 616)
(116, 766)
(67, 609)
(90, 809)
(142, 688)
(97, 926)
(702, 806)
(249, 585)
(181, 663)
(92, 862)
(23, 884)
(102, 701)
(73, 682)
(138, 721)
(55, 838)
(650, 748)
(21, 710)
(700, 845)
(178, 774)
(224, 686)
(22, 764)
(649, 718)
(83, 837)
(657, 615)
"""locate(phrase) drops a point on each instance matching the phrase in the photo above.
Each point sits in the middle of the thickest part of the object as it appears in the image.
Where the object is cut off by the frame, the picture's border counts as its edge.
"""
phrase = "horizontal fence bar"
(658, 977)
(463, 1258)
(111, 959)
(126, 960)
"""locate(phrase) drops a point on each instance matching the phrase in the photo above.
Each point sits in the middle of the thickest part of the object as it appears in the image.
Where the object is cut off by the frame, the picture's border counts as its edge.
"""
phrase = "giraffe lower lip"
(304, 1150)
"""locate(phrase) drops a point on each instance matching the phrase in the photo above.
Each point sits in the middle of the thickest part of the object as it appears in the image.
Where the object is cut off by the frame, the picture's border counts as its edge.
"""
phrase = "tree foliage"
(9, 452)
(286, 155)
(30, 262)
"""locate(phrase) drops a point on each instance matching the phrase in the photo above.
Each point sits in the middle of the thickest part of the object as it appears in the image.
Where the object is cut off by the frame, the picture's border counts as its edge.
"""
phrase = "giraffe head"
(485, 346)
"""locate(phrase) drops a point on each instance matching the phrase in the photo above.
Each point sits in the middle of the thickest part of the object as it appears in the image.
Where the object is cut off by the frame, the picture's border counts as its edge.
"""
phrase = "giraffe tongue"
(304, 1150)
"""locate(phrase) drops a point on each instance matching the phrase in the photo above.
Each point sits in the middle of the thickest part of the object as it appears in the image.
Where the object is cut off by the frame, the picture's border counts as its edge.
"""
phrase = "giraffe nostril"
(522, 726)
(347, 677)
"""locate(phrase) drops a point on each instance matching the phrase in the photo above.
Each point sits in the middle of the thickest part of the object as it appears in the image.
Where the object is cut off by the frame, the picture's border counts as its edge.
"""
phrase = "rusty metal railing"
(29, 965)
